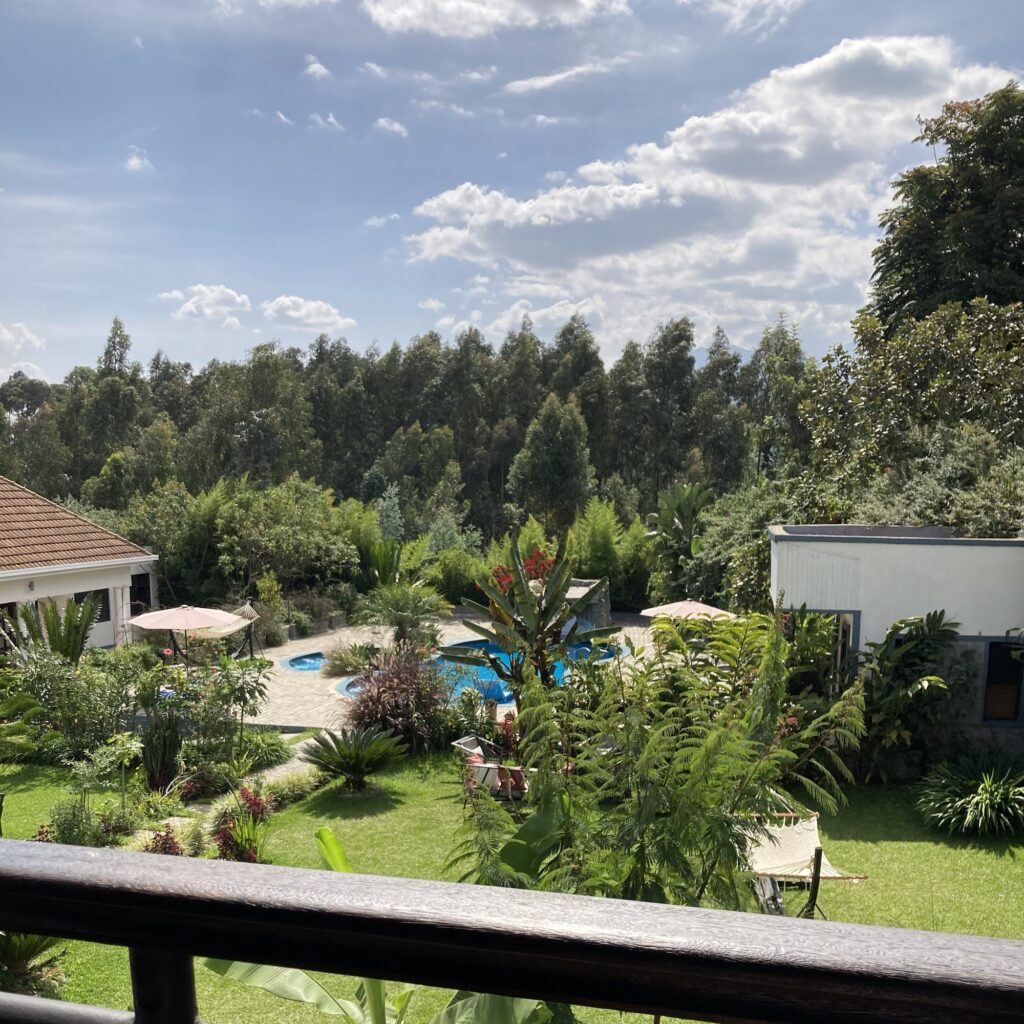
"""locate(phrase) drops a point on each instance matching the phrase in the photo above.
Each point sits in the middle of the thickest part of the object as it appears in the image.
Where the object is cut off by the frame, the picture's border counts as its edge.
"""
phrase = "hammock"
(787, 852)
(244, 617)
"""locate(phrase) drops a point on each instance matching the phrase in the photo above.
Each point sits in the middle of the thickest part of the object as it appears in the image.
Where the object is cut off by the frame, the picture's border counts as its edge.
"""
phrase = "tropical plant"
(161, 748)
(533, 623)
(907, 701)
(21, 719)
(654, 783)
(402, 693)
(263, 747)
(673, 531)
(242, 838)
(125, 749)
(164, 841)
(349, 659)
(30, 965)
(404, 607)
(45, 625)
(354, 754)
(977, 795)
(73, 824)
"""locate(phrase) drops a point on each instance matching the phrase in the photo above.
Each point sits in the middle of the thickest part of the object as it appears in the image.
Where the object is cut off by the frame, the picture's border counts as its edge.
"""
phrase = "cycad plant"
(30, 964)
(406, 608)
(354, 754)
(532, 622)
(65, 633)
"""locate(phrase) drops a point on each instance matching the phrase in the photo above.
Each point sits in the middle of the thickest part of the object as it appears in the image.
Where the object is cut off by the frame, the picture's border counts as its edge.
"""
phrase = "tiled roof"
(37, 533)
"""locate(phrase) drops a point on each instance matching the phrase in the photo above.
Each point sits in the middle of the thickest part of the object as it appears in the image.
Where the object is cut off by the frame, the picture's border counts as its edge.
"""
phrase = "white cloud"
(176, 294)
(467, 19)
(211, 302)
(539, 82)
(543, 120)
(444, 323)
(375, 69)
(379, 220)
(748, 15)
(137, 161)
(769, 201)
(430, 106)
(137, 43)
(301, 312)
(556, 177)
(15, 338)
(282, 118)
(232, 322)
(431, 305)
(325, 124)
(386, 125)
(315, 69)
(481, 74)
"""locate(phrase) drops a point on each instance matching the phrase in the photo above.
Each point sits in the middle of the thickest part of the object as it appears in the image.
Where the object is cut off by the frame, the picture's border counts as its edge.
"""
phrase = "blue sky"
(222, 172)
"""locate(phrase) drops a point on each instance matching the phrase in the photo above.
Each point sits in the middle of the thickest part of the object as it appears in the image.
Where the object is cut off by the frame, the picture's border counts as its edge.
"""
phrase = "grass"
(405, 825)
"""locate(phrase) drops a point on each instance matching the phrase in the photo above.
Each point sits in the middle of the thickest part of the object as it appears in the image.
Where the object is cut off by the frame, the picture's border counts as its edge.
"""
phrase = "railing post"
(163, 987)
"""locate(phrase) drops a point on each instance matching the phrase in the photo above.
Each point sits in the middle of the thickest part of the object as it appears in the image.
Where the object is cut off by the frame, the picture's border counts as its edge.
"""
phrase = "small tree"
(551, 476)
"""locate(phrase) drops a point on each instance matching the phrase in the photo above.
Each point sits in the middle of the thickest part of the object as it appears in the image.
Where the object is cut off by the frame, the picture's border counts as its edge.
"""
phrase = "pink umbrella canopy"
(183, 619)
(688, 610)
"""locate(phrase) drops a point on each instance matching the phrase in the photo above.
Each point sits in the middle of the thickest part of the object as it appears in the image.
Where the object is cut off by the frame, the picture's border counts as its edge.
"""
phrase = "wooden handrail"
(682, 962)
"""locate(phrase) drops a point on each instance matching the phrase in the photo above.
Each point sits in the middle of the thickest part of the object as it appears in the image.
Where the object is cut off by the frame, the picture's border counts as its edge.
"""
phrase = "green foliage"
(674, 528)
(908, 703)
(400, 692)
(406, 608)
(44, 625)
(354, 754)
(954, 233)
(534, 623)
(552, 477)
(349, 659)
(598, 537)
(651, 775)
(21, 719)
(30, 965)
(295, 786)
(454, 573)
(263, 747)
(73, 823)
(978, 795)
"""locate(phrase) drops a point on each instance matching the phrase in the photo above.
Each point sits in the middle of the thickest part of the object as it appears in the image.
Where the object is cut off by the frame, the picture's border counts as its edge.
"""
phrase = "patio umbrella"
(183, 619)
(688, 610)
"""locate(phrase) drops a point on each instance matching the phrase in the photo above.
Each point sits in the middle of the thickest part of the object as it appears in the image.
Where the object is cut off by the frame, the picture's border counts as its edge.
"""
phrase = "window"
(103, 596)
(141, 593)
(1003, 682)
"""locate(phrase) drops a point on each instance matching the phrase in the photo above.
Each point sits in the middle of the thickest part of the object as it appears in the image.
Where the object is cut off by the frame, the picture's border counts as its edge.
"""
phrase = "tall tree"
(115, 352)
(551, 476)
(668, 370)
(957, 229)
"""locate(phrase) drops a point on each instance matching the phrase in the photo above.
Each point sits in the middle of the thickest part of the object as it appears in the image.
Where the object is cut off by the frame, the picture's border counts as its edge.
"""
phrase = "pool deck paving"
(299, 700)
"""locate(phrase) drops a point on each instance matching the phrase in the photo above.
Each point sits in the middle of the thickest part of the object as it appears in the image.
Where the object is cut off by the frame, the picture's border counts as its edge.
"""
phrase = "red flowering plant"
(537, 566)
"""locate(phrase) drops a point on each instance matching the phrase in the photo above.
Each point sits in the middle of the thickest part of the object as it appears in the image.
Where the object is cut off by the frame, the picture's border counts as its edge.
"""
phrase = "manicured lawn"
(405, 827)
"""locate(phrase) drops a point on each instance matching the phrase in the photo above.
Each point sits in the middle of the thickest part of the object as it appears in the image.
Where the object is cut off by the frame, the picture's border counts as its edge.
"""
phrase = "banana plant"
(533, 626)
(370, 1004)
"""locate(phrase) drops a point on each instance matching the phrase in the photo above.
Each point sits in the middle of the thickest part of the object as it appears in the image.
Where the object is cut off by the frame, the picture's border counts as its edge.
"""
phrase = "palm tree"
(405, 607)
(65, 633)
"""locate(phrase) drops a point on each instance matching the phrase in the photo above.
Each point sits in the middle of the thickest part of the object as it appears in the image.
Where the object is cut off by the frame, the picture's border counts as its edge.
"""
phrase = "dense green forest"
(294, 463)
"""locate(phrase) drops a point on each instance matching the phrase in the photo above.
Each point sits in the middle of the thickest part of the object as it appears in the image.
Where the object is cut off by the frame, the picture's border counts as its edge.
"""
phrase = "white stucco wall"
(63, 583)
(980, 584)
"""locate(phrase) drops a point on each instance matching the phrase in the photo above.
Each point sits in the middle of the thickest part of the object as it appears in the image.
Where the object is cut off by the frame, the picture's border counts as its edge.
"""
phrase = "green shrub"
(972, 799)
(74, 824)
(116, 822)
(155, 806)
(354, 754)
(263, 747)
(242, 839)
(294, 786)
(455, 573)
(161, 749)
(303, 623)
(349, 659)
(30, 965)
(406, 608)
(193, 838)
(597, 534)
(629, 592)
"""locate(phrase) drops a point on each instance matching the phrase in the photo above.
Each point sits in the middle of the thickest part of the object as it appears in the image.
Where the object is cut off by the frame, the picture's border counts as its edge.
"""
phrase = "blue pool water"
(483, 679)
(307, 662)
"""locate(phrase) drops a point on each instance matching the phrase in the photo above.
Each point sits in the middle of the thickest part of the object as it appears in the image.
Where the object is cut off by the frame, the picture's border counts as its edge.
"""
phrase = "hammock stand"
(791, 852)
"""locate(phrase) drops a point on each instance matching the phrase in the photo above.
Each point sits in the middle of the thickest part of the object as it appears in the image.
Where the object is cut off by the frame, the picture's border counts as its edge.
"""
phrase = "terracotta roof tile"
(36, 533)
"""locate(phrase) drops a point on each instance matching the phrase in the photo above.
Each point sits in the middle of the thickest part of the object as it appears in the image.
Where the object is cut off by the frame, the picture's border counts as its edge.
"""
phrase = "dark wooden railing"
(679, 962)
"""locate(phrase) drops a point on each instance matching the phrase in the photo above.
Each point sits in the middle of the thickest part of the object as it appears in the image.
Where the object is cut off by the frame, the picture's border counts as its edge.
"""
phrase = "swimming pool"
(307, 662)
(483, 679)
